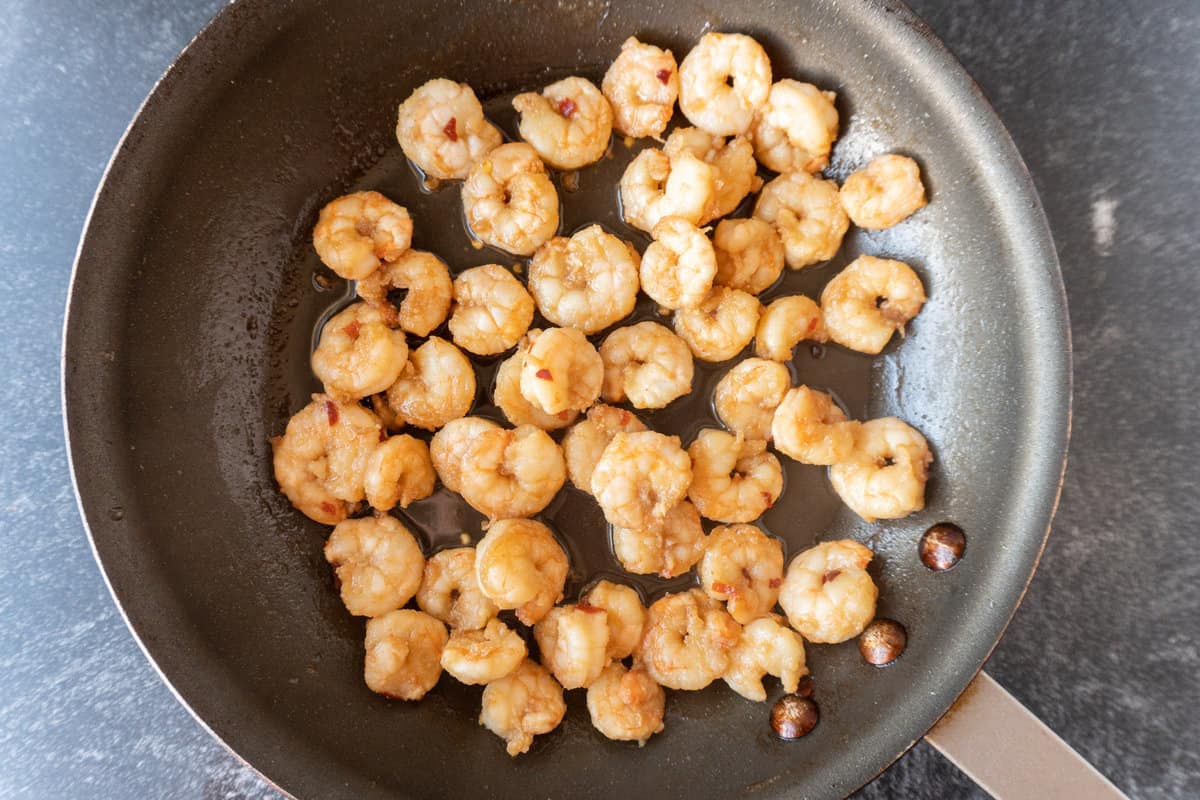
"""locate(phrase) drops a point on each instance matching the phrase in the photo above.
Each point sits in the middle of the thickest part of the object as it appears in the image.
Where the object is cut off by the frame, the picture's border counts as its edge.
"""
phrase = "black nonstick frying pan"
(196, 294)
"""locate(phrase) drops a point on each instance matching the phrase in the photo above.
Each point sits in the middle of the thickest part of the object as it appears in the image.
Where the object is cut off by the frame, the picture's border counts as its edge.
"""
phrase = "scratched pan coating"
(196, 294)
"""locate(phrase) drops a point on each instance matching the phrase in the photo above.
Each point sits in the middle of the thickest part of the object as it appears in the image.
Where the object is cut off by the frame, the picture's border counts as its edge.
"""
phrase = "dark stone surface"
(1101, 99)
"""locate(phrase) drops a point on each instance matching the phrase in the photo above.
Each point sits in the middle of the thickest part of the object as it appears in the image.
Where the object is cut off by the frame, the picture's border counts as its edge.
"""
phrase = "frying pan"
(196, 294)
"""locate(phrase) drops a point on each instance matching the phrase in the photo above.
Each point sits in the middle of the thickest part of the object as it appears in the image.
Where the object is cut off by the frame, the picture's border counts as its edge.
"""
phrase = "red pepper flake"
(351, 330)
(766, 496)
(566, 107)
(331, 412)
(451, 130)
(544, 374)
(664, 76)
(383, 434)
(564, 415)
(812, 325)
(830, 576)
(588, 608)
(723, 588)
(626, 417)
(328, 508)
(775, 583)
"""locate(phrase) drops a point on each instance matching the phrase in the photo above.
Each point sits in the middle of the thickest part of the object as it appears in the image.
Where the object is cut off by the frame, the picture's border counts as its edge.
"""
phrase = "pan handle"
(1010, 753)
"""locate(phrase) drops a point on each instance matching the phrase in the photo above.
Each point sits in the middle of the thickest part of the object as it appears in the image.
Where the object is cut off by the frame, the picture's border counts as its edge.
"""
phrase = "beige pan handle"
(1011, 753)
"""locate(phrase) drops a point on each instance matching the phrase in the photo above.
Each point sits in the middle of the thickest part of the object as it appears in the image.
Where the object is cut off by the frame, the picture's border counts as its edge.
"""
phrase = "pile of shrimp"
(403, 410)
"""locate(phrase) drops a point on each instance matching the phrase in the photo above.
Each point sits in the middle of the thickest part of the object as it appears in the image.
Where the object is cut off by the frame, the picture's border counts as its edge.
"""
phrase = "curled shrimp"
(749, 254)
(721, 325)
(589, 281)
(448, 448)
(357, 233)
(429, 290)
(678, 267)
(807, 213)
(884, 192)
(884, 476)
(640, 477)
(688, 640)
(492, 310)
(520, 565)
(646, 364)
(785, 323)
(321, 458)
(511, 473)
(509, 200)
(810, 428)
(869, 300)
(398, 472)
(642, 85)
(668, 549)
(827, 594)
(378, 564)
(795, 128)
(358, 354)
(404, 654)
(506, 394)
(436, 386)
(569, 124)
(625, 615)
(744, 567)
(655, 185)
(441, 128)
(626, 704)
(450, 591)
(481, 656)
(732, 161)
(746, 397)
(733, 479)
(560, 370)
(723, 81)
(573, 641)
(584, 443)
(766, 647)
(524, 703)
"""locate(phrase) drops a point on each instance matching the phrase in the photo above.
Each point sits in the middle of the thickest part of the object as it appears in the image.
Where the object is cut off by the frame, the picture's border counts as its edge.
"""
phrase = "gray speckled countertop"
(1101, 98)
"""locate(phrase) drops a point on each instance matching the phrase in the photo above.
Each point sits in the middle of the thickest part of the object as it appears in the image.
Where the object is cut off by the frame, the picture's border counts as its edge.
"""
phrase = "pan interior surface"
(197, 292)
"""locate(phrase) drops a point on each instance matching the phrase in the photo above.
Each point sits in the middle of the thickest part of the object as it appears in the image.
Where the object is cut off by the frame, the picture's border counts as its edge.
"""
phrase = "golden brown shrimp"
(647, 364)
(584, 443)
(492, 310)
(524, 703)
(436, 386)
(723, 81)
(744, 567)
(357, 233)
(884, 192)
(398, 472)
(626, 616)
(404, 654)
(569, 124)
(573, 641)
(687, 641)
(733, 479)
(678, 267)
(450, 591)
(749, 254)
(640, 477)
(785, 323)
(746, 397)
(358, 354)
(626, 704)
(481, 656)
(810, 428)
(795, 128)
(827, 594)
(506, 394)
(589, 281)
(721, 325)
(642, 85)
(378, 564)
(511, 473)
(655, 185)
(884, 476)
(668, 549)
(732, 160)
(869, 300)
(560, 370)
(426, 280)
(807, 213)
(448, 448)
(520, 565)
(509, 200)
(441, 128)
(766, 647)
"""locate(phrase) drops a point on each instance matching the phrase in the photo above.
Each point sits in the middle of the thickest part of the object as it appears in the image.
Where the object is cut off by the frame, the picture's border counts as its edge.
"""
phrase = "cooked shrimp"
(522, 704)
(795, 128)
(678, 267)
(766, 647)
(482, 656)
(827, 594)
(378, 564)
(640, 477)
(321, 458)
(642, 85)
(436, 386)
(722, 324)
(732, 160)
(654, 186)
(561, 370)
(687, 641)
(520, 565)
(646, 364)
(589, 281)
(404, 654)
(723, 81)
(511, 473)
(450, 591)
(668, 549)
(448, 448)
(749, 254)
(441, 128)
(884, 476)
(626, 704)
(509, 200)
(358, 354)
(492, 310)
(884, 192)
(398, 472)
(869, 300)
(584, 443)
(733, 479)
(357, 233)
(506, 394)
(429, 291)
(744, 567)
(747, 396)
(569, 124)
(785, 323)
(573, 641)
(626, 616)
(807, 214)
(810, 428)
